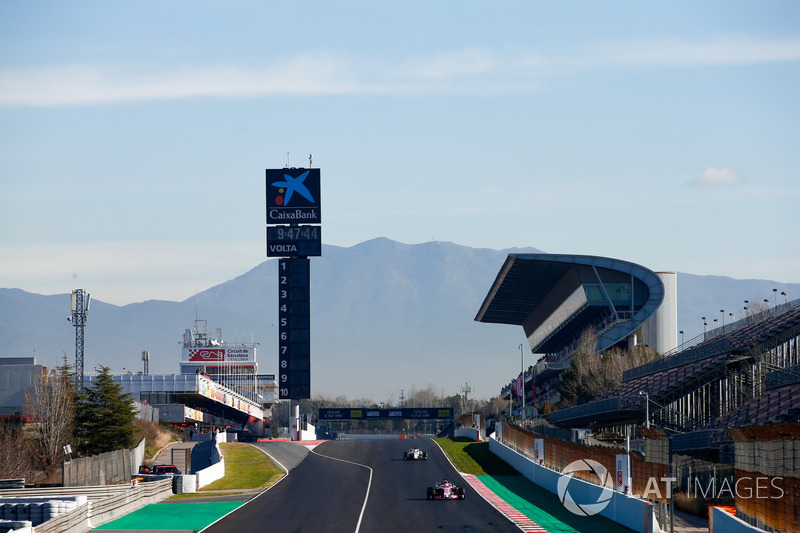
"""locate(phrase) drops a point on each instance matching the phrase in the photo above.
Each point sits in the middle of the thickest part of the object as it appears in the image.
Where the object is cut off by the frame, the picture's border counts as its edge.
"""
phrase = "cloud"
(717, 177)
(304, 74)
(660, 52)
(470, 69)
(102, 84)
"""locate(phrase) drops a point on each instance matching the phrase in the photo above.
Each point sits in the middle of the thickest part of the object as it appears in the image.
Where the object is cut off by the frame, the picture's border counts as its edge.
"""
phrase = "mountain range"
(386, 318)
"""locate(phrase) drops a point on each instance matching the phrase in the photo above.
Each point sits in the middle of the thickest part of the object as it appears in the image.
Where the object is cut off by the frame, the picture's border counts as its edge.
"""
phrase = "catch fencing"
(103, 469)
(558, 454)
(767, 463)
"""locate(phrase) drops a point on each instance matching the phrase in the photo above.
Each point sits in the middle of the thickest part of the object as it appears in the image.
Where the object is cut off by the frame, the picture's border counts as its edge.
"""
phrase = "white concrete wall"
(307, 434)
(471, 433)
(210, 474)
(216, 470)
(724, 522)
(628, 511)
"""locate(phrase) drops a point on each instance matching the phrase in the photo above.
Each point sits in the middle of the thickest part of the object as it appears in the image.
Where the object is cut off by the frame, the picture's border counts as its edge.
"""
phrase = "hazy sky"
(134, 135)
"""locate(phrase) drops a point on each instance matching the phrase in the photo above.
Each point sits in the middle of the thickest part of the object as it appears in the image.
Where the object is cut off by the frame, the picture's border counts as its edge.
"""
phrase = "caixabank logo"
(293, 196)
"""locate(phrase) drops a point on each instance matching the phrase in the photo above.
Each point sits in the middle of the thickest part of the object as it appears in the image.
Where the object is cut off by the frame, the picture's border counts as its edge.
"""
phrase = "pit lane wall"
(213, 472)
(721, 521)
(470, 433)
(623, 509)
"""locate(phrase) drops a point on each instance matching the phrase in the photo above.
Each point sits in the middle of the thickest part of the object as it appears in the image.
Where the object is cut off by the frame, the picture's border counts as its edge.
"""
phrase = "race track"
(365, 486)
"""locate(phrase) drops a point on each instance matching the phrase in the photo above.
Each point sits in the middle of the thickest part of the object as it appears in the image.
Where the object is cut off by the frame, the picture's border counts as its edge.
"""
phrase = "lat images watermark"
(586, 499)
(744, 488)
(591, 504)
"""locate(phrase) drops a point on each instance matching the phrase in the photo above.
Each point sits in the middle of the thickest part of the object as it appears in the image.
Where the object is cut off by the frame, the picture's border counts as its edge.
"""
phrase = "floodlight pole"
(80, 305)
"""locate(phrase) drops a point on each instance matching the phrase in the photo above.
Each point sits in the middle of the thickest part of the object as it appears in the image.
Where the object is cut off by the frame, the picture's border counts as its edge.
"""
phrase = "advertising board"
(398, 413)
(238, 354)
(293, 196)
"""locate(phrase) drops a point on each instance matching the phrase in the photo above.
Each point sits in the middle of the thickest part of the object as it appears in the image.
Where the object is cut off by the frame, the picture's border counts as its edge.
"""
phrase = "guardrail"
(103, 503)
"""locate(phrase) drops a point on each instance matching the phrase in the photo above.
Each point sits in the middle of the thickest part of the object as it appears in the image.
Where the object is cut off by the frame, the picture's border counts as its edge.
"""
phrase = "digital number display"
(294, 329)
(295, 233)
(294, 241)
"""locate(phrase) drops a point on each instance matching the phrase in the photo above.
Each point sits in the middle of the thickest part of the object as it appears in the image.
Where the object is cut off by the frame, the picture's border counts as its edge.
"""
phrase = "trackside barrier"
(307, 434)
(628, 511)
(380, 436)
(103, 469)
(721, 521)
(471, 433)
(37, 510)
(71, 512)
(209, 474)
(16, 526)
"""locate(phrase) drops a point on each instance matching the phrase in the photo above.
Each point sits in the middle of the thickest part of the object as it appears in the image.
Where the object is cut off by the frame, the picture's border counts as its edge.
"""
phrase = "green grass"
(542, 507)
(474, 458)
(246, 468)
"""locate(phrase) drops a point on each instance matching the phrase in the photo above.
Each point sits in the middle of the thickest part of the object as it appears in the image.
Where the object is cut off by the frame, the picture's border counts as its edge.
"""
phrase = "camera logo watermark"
(593, 505)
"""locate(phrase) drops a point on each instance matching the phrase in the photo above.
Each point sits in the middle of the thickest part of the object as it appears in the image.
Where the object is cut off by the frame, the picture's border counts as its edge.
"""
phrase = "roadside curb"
(503, 507)
(511, 512)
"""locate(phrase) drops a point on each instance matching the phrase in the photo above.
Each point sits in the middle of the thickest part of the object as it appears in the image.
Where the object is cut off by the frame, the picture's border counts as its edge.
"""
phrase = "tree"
(591, 374)
(16, 454)
(51, 404)
(105, 416)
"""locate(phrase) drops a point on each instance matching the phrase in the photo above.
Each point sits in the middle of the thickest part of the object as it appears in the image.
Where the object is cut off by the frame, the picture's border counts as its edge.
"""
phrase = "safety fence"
(767, 486)
(629, 511)
(103, 469)
(763, 484)
(558, 454)
(145, 411)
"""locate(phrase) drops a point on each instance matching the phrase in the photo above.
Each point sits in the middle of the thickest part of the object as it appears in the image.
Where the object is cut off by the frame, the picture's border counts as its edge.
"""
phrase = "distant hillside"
(385, 316)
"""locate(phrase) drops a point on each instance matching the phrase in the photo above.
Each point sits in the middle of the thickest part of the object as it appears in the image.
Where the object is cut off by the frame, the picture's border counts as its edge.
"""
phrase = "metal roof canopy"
(529, 286)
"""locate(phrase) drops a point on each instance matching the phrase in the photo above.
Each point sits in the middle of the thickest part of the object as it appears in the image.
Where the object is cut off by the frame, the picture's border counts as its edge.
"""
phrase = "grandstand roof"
(554, 297)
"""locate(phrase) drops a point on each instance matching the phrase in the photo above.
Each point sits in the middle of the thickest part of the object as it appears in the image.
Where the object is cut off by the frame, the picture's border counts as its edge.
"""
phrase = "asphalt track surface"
(365, 486)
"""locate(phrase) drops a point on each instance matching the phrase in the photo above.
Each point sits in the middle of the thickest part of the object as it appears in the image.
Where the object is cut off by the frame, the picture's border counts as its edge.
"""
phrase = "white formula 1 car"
(414, 454)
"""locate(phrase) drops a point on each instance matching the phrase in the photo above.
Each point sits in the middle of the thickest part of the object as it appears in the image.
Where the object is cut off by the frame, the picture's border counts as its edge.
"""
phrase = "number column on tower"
(294, 329)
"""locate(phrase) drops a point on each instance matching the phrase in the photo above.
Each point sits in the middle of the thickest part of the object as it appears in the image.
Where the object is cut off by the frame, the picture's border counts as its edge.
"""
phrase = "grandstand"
(723, 407)
(555, 298)
(746, 375)
(743, 373)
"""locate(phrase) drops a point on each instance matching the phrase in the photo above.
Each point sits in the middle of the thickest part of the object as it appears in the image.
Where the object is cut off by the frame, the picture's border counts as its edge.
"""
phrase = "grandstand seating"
(670, 377)
(778, 405)
(661, 383)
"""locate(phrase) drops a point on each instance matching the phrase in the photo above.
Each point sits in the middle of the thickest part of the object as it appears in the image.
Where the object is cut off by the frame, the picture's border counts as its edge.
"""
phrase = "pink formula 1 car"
(444, 490)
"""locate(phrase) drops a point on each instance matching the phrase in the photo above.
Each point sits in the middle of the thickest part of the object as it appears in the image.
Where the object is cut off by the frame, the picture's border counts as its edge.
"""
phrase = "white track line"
(369, 485)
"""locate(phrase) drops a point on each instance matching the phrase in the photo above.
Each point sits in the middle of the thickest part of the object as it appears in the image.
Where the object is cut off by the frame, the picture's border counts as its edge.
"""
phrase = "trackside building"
(557, 297)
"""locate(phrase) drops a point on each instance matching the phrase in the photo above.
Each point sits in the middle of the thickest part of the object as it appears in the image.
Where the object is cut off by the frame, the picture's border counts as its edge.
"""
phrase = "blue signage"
(293, 196)
(294, 241)
(294, 329)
